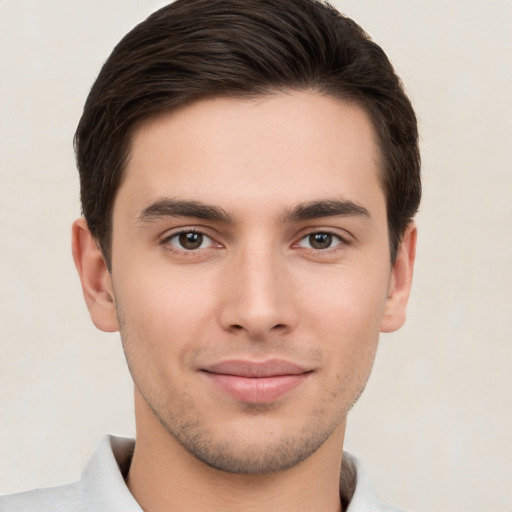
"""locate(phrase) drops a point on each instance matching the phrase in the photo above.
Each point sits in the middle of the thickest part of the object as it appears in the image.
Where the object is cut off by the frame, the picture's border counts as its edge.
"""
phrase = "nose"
(257, 295)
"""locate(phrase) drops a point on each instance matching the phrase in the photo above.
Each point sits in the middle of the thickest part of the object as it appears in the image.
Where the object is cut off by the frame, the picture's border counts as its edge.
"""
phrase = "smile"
(257, 382)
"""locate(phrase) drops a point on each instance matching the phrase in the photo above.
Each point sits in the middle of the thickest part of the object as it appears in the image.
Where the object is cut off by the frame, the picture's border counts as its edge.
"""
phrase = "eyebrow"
(325, 208)
(170, 207)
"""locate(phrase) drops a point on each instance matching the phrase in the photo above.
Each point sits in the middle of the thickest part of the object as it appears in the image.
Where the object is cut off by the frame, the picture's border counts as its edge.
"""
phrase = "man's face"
(251, 274)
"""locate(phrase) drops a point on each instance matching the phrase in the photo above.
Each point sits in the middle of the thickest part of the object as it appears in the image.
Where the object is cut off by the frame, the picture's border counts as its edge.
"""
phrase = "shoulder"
(100, 489)
(55, 499)
(356, 488)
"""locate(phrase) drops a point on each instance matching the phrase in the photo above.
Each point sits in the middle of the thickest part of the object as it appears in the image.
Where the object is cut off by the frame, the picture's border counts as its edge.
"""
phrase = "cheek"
(160, 312)
(158, 290)
(343, 316)
(346, 300)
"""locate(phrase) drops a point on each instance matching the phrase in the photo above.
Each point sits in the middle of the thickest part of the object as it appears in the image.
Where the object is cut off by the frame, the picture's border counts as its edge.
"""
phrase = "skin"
(269, 280)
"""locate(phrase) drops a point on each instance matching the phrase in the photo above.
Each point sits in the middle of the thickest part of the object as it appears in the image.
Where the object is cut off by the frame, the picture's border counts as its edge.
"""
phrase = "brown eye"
(190, 240)
(320, 240)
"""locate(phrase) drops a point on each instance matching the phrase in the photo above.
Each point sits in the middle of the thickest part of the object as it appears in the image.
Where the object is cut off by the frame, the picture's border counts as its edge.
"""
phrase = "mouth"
(257, 382)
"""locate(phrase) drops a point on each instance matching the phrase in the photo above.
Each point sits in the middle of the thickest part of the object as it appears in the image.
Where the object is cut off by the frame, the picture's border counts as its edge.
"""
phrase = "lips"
(256, 382)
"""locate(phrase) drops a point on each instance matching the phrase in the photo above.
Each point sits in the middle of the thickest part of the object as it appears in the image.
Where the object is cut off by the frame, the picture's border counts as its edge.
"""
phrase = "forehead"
(283, 148)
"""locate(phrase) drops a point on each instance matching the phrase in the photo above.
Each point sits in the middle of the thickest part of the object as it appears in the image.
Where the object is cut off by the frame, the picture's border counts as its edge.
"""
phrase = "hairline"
(268, 92)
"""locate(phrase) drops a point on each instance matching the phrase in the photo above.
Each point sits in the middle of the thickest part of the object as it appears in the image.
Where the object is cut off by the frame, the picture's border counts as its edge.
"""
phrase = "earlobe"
(400, 282)
(95, 278)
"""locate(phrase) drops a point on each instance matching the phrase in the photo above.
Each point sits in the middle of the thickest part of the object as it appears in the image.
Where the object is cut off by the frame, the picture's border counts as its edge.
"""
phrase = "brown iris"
(320, 240)
(191, 240)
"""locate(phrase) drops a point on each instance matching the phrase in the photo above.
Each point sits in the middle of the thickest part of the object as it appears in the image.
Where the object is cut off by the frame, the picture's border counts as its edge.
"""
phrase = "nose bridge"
(258, 296)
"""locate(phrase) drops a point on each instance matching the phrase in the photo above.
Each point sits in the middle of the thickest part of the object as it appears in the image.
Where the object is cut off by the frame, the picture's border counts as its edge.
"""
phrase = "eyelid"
(343, 237)
(176, 232)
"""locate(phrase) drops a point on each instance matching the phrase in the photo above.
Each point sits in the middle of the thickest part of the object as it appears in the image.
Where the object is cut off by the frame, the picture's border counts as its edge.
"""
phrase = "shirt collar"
(104, 488)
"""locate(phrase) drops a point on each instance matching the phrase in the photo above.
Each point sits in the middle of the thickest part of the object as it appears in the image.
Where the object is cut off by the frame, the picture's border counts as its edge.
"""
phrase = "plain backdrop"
(434, 426)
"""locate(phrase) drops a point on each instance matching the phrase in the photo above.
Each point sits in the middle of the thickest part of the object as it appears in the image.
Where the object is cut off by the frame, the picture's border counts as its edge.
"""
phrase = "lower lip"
(257, 390)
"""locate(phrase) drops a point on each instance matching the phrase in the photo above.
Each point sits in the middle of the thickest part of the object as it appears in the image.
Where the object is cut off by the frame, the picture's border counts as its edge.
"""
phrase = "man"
(249, 177)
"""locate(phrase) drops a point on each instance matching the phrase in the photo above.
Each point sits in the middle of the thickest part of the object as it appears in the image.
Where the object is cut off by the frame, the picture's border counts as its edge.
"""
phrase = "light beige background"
(434, 427)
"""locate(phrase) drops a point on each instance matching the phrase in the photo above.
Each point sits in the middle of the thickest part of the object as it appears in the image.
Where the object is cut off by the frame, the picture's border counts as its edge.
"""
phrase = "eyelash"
(191, 231)
(341, 241)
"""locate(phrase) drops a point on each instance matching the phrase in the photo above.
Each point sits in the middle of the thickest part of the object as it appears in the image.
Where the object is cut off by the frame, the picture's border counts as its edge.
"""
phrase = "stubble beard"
(238, 454)
(231, 454)
(234, 453)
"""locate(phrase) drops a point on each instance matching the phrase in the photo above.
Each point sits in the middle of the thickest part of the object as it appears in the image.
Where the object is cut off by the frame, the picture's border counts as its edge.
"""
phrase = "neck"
(164, 476)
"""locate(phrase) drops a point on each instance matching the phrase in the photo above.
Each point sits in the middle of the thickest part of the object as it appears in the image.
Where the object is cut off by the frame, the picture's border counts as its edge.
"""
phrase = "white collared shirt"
(102, 487)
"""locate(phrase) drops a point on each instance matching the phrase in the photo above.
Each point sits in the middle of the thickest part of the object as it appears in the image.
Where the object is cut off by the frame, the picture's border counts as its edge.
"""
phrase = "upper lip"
(256, 369)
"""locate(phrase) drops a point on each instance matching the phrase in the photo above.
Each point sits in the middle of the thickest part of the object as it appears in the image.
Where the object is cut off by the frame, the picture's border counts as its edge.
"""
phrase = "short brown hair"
(194, 49)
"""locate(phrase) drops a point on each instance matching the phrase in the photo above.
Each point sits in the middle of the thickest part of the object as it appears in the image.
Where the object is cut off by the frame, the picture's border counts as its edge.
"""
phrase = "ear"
(400, 282)
(95, 278)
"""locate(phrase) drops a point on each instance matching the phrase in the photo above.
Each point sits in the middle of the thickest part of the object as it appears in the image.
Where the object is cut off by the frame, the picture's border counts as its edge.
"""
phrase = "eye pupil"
(320, 240)
(191, 240)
